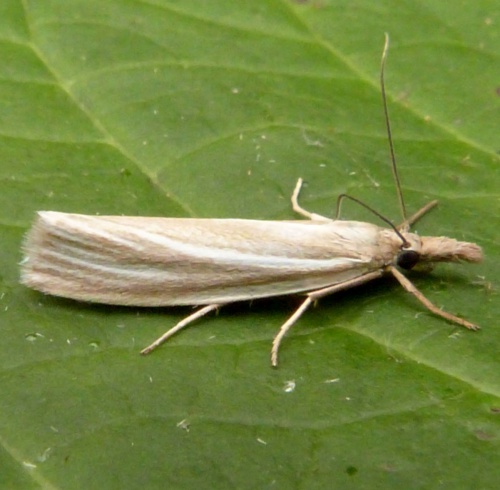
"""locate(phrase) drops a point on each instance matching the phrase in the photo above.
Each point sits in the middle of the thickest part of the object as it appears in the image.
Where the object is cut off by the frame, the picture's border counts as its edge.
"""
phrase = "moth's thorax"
(391, 245)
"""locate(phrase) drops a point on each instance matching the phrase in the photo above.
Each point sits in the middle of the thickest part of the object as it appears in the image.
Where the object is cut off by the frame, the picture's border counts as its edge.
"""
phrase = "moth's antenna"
(388, 127)
(383, 218)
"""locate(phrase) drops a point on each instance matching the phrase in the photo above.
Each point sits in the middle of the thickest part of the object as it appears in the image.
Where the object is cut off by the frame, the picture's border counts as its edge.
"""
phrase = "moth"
(141, 261)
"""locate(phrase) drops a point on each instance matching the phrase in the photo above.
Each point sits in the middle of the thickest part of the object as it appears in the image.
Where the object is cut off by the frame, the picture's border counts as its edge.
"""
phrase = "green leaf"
(214, 109)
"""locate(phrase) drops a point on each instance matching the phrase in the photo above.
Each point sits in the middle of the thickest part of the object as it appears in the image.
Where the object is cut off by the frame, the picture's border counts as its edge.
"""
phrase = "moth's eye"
(407, 259)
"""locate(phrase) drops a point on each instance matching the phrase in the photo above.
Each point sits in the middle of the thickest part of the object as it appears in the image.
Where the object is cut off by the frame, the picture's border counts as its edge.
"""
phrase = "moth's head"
(410, 253)
(421, 253)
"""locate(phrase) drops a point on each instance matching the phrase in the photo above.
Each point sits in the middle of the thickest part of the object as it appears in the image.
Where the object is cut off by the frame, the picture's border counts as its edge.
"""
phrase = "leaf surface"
(214, 109)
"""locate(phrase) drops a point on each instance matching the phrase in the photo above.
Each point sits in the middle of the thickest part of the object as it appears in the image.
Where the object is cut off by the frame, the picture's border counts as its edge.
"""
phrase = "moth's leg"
(285, 327)
(408, 285)
(311, 298)
(299, 209)
(183, 323)
(405, 225)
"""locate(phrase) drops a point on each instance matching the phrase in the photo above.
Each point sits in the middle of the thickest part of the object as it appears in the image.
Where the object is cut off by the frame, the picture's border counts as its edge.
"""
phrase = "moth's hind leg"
(183, 323)
(299, 209)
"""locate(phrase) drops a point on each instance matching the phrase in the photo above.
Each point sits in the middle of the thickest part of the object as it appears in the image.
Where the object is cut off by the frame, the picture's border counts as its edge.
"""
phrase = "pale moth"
(139, 261)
